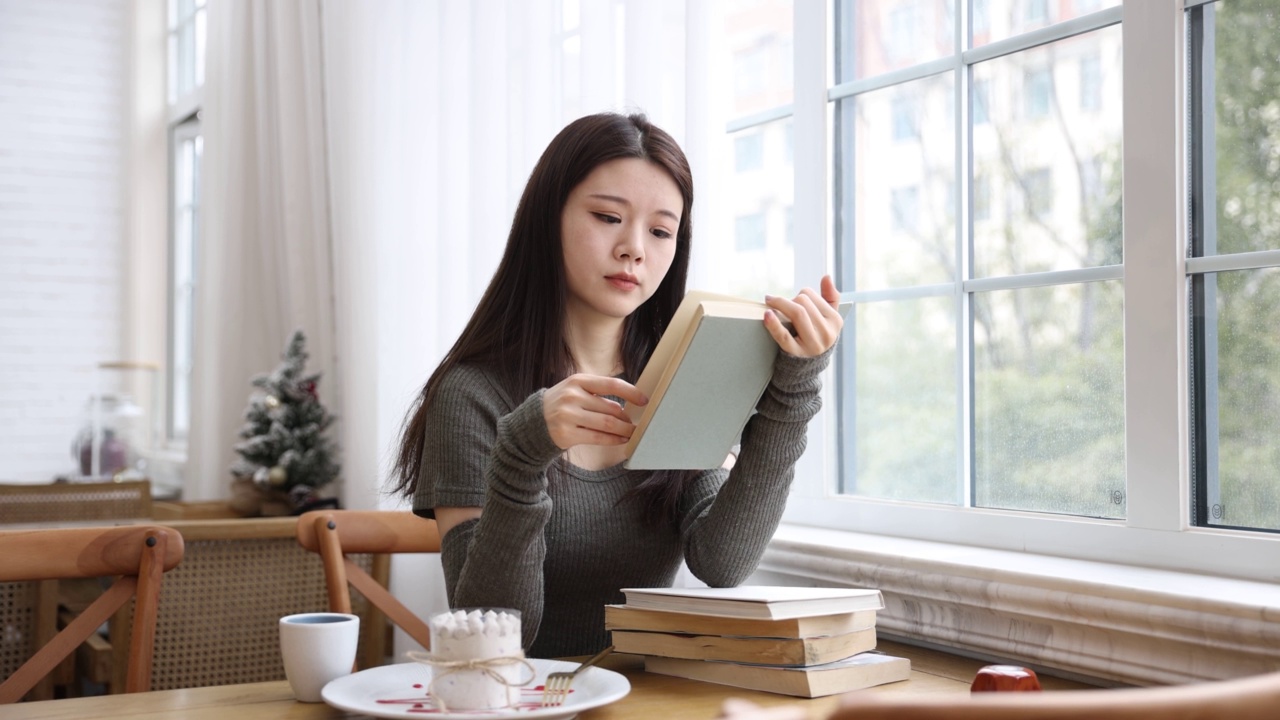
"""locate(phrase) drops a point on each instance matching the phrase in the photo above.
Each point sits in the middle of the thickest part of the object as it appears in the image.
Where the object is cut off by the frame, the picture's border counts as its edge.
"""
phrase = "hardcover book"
(757, 650)
(623, 617)
(703, 380)
(756, 601)
(855, 673)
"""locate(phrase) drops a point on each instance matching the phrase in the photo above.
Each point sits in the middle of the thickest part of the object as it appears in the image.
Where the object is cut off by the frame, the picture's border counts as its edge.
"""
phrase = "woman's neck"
(596, 345)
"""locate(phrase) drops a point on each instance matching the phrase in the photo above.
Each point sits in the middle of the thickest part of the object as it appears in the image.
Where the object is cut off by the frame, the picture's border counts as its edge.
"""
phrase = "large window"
(1054, 347)
(186, 147)
(986, 360)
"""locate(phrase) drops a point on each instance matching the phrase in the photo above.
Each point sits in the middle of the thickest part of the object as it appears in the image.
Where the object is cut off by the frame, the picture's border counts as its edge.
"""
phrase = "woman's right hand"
(577, 413)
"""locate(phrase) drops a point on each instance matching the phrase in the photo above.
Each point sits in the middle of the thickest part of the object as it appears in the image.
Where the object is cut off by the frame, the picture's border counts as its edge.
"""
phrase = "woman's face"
(618, 231)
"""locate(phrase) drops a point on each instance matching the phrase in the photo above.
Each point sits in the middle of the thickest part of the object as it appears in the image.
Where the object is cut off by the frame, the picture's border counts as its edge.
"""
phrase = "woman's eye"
(660, 233)
(607, 218)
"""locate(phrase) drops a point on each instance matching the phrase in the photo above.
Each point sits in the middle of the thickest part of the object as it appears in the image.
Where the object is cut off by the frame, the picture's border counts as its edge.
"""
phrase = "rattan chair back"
(219, 611)
(75, 502)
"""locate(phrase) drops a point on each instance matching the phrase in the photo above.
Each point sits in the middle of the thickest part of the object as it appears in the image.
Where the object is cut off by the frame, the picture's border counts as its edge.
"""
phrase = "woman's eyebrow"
(624, 201)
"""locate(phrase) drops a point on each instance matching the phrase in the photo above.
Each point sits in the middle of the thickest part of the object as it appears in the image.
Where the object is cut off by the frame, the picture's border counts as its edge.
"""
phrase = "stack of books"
(807, 642)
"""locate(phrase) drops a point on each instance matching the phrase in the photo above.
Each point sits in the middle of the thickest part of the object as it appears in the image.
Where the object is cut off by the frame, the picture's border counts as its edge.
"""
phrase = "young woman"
(515, 443)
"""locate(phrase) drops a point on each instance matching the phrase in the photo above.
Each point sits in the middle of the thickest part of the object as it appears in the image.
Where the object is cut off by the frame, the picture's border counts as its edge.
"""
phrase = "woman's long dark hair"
(518, 327)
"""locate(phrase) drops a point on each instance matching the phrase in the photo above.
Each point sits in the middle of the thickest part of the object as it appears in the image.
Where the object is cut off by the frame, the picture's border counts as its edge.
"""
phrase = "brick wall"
(62, 74)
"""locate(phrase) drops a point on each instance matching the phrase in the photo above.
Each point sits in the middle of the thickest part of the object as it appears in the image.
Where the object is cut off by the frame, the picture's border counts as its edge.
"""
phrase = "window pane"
(759, 258)
(188, 153)
(1245, 400)
(999, 19)
(901, 203)
(759, 37)
(1052, 164)
(1246, 135)
(902, 409)
(1048, 407)
(748, 152)
(201, 33)
(1236, 157)
(887, 35)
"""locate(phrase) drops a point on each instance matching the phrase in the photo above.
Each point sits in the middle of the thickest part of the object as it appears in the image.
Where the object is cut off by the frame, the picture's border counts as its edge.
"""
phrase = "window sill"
(1123, 624)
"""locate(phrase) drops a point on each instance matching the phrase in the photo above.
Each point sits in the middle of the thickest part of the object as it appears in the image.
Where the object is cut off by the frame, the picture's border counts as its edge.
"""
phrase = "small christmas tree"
(285, 450)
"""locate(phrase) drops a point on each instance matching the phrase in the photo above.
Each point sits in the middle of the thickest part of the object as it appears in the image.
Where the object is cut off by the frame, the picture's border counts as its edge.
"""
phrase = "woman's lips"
(623, 282)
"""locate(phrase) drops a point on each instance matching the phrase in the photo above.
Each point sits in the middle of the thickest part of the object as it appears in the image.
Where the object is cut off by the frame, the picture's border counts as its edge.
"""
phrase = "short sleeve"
(461, 428)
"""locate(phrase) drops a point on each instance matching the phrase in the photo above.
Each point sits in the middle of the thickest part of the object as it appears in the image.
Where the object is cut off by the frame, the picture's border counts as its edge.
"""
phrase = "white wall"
(62, 70)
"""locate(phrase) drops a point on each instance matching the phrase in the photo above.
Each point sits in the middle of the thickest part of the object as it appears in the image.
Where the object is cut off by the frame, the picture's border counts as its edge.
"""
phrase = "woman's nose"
(631, 247)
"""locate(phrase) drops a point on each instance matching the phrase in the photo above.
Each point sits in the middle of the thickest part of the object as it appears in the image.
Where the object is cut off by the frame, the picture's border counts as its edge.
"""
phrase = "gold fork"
(556, 687)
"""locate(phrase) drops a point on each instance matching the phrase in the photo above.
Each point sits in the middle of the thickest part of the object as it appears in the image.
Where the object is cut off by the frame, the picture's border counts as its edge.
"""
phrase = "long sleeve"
(727, 523)
(497, 560)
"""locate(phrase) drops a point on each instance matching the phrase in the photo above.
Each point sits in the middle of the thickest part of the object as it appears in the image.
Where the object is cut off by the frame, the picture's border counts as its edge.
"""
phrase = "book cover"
(755, 650)
(860, 671)
(756, 601)
(623, 617)
(703, 381)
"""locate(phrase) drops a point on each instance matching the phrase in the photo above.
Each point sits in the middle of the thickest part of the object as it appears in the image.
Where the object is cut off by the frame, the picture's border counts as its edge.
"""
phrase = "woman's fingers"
(577, 413)
(814, 318)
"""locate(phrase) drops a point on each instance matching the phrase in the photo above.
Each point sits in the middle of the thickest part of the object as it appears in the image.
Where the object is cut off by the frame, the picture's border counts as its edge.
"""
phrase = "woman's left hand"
(814, 317)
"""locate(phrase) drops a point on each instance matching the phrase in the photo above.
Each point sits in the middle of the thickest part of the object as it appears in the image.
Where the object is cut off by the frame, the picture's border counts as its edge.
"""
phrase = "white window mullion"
(1156, 405)
(964, 264)
(812, 220)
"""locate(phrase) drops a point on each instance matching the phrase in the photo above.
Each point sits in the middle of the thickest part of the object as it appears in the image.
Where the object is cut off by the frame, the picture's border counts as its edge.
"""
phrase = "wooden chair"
(219, 611)
(138, 554)
(336, 533)
(1251, 698)
(65, 504)
(75, 502)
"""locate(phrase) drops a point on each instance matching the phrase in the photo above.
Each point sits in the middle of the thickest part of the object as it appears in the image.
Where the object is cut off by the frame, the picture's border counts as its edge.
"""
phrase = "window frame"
(1157, 531)
(188, 130)
(183, 123)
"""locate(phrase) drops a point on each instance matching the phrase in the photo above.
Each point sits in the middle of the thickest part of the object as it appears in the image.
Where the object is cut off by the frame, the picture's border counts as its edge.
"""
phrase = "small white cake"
(462, 635)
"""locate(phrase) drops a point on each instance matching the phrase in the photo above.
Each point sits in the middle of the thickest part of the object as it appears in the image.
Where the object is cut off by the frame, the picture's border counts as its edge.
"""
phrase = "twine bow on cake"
(488, 666)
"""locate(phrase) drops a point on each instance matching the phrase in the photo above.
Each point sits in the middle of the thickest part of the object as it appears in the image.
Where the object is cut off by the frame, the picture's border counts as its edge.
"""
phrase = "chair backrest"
(75, 502)
(138, 554)
(219, 611)
(1251, 698)
(334, 534)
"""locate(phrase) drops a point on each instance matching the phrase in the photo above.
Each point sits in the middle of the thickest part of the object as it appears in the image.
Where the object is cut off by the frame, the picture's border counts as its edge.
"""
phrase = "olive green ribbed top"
(558, 542)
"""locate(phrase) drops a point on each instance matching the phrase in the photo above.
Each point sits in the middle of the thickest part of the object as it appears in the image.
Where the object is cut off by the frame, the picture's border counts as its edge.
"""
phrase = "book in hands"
(703, 381)
(756, 601)
(863, 670)
(624, 617)
(755, 650)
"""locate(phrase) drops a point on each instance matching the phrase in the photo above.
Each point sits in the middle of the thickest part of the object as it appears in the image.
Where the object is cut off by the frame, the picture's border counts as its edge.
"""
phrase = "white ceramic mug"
(317, 647)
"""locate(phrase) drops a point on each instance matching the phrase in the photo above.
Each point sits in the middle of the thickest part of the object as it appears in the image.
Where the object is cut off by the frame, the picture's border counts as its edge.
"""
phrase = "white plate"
(400, 691)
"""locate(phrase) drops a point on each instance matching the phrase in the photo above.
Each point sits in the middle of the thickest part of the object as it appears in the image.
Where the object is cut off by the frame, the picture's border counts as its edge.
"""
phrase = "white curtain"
(265, 265)
(363, 161)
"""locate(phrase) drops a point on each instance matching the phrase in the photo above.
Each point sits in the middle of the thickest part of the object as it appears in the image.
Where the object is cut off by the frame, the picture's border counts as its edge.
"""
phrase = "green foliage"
(284, 446)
